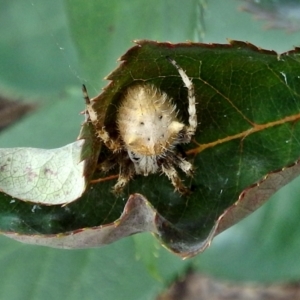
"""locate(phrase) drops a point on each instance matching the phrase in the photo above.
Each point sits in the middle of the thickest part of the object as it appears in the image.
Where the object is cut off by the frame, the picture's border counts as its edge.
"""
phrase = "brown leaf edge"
(249, 200)
(139, 216)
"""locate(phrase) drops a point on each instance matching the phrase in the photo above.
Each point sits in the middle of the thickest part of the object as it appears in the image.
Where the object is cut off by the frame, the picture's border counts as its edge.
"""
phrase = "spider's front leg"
(111, 144)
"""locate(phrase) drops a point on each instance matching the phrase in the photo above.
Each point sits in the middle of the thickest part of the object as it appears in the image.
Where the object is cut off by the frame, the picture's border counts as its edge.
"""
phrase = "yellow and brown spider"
(148, 133)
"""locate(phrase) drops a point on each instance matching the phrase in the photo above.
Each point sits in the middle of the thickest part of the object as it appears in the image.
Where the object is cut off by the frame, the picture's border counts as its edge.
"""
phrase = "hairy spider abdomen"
(147, 121)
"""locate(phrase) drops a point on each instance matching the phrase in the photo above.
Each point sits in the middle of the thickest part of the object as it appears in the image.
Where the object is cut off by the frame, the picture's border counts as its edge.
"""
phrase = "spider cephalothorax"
(149, 131)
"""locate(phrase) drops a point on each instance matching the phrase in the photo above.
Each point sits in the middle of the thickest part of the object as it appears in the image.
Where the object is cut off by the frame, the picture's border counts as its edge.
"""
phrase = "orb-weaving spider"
(148, 133)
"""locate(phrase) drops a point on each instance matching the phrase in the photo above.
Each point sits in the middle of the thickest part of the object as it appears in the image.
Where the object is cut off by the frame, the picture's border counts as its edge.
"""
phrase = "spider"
(148, 133)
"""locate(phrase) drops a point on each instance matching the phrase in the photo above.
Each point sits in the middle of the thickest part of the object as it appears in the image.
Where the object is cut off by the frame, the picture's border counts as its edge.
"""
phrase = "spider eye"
(181, 134)
(134, 157)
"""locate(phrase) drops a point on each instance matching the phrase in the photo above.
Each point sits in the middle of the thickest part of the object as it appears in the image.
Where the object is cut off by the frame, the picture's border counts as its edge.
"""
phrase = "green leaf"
(239, 89)
(43, 176)
(244, 150)
(51, 177)
(103, 273)
(37, 54)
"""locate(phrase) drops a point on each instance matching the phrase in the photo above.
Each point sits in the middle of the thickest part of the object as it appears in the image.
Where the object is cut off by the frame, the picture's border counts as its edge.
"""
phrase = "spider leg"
(90, 114)
(191, 129)
(186, 167)
(108, 163)
(172, 174)
(126, 172)
(111, 144)
(183, 164)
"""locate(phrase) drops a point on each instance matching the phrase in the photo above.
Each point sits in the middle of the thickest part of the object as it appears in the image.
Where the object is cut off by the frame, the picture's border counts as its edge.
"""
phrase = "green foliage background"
(47, 50)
